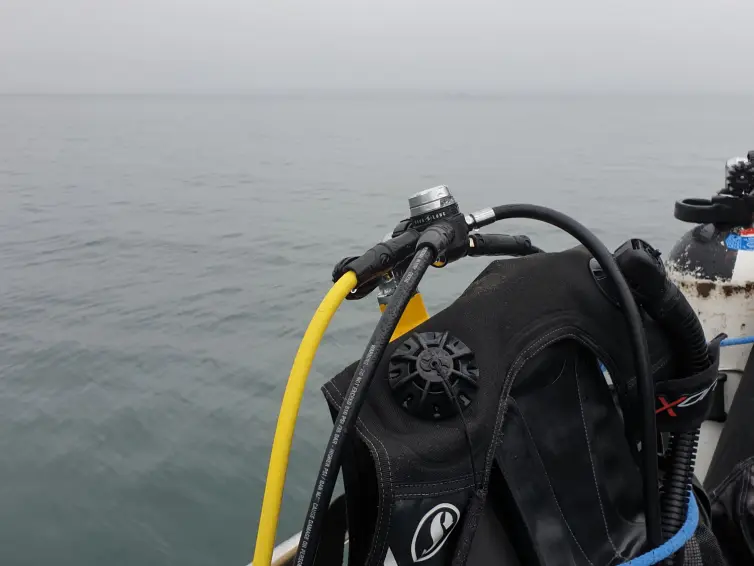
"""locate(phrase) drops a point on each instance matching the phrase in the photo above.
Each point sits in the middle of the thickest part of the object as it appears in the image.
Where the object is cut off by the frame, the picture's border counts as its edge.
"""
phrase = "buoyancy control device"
(488, 433)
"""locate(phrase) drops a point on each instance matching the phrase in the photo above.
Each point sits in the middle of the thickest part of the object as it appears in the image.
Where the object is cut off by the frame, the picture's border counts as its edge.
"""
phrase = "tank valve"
(739, 175)
(732, 206)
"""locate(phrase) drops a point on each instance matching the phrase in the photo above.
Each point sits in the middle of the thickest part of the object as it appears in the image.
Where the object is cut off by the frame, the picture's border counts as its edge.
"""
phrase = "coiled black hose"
(693, 355)
(674, 499)
(678, 319)
(694, 358)
(676, 316)
(665, 303)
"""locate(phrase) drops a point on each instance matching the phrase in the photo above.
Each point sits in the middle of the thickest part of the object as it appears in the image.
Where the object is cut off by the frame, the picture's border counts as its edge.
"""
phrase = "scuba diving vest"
(490, 434)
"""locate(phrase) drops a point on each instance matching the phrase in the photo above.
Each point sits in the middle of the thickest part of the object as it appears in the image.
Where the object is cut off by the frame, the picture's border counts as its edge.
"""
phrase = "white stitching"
(518, 363)
(443, 492)
(552, 489)
(390, 489)
(660, 364)
(591, 462)
(388, 485)
(497, 433)
(740, 506)
(379, 473)
(745, 491)
(738, 470)
(427, 484)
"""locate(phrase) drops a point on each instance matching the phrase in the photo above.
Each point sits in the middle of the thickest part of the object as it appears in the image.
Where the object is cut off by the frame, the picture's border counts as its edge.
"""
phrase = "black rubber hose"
(354, 399)
(677, 316)
(674, 502)
(638, 340)
(665, 303)
(500, 244)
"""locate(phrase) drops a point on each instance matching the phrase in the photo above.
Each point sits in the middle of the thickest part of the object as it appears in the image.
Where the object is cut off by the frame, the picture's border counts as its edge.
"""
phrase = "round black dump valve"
(428, 370)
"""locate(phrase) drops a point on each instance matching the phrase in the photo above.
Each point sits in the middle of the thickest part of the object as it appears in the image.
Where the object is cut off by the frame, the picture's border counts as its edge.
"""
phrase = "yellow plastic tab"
(413, 316)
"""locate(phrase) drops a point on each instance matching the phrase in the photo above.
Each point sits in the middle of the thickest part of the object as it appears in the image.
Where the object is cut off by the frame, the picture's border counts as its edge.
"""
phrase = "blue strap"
(657, 555)
(737, 341)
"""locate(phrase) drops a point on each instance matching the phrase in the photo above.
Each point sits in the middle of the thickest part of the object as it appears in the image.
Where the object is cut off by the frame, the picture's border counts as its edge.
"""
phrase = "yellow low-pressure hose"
(294, 391)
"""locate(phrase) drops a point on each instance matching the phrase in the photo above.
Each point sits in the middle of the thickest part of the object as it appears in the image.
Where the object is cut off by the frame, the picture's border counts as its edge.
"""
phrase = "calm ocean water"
(161, 256)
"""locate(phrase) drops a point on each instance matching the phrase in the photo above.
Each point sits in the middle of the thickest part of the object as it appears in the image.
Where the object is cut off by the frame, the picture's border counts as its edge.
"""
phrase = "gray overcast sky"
(461, 45)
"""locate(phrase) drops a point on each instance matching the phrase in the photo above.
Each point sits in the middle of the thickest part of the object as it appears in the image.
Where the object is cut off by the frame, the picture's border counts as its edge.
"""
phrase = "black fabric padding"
(501, 503)
(332, 544)
(736, 442)
(474, 517)
(358, 469)
(686, 417)
(704, 548)
(730, 477)
(565, 460)
(362, 502)
(494, 543)
(733, 513)
(513, 310)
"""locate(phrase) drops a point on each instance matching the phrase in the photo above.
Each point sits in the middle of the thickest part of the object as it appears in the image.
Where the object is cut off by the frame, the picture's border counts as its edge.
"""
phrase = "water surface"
(161, 257)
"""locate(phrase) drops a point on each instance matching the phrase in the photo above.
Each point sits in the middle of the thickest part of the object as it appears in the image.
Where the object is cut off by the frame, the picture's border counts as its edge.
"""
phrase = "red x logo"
(669, 406)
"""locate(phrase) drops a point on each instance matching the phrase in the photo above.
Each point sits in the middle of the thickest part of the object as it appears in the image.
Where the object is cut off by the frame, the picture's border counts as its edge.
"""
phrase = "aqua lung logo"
(433, 530)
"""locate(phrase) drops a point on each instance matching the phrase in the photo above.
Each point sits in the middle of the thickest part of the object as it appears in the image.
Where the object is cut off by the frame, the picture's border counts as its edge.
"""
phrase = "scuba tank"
(713, 265)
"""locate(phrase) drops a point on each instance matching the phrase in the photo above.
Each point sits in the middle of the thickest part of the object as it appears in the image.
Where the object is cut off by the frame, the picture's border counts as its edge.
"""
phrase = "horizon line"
(445, 92)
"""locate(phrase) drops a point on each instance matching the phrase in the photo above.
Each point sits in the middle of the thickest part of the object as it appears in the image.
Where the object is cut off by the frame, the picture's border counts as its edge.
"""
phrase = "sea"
(161, 256)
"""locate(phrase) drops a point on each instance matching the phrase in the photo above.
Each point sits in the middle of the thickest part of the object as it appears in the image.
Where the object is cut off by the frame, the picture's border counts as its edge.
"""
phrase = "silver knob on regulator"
(430, 205)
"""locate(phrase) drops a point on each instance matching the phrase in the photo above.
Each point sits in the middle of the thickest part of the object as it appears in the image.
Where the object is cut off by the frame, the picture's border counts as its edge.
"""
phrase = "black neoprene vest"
(557, 479)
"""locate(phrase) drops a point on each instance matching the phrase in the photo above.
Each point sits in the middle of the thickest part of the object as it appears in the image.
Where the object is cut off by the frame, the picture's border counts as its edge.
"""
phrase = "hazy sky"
(461, 45)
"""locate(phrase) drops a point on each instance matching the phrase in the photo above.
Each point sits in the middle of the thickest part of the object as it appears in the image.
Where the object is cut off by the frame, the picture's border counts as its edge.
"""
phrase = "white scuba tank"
(713, 265)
